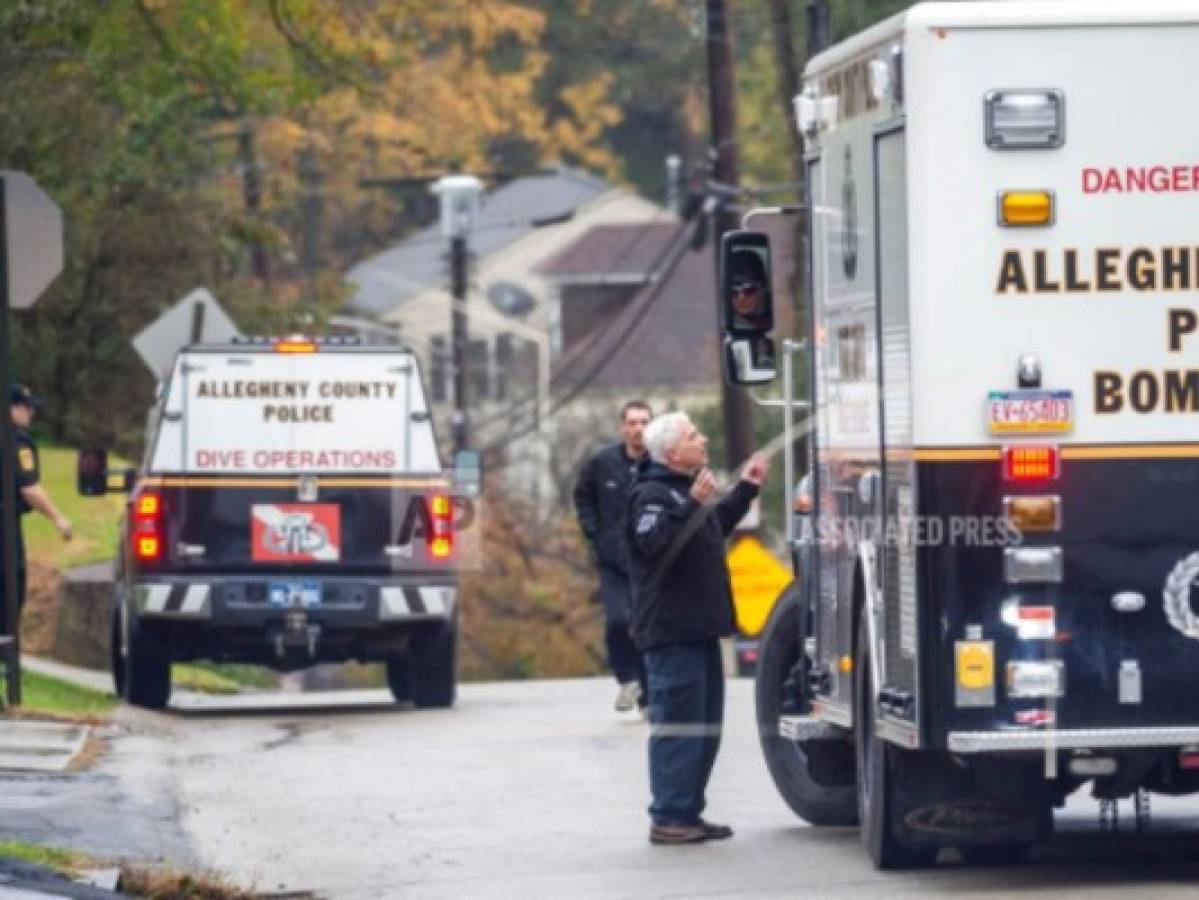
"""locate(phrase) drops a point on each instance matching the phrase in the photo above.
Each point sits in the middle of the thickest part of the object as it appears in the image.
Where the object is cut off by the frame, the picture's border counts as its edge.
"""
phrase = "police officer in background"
(600, 496)
(30, 494)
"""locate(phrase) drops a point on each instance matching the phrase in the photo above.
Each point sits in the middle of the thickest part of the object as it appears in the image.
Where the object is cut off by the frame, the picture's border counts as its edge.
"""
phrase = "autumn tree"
(222, 142)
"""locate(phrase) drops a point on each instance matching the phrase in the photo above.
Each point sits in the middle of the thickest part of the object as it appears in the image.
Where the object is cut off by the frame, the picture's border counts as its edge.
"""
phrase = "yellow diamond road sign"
(758, 578)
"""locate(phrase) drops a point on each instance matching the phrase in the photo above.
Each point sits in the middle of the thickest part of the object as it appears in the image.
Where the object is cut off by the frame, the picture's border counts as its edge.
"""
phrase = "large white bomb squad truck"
(291, 509)
(995, 595)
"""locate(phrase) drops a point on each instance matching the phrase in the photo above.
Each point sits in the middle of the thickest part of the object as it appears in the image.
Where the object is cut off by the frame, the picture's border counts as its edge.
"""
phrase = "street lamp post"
(459, 196)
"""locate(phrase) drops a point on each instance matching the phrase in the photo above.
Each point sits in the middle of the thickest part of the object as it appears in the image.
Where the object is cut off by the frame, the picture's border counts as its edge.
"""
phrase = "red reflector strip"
(1031, 463)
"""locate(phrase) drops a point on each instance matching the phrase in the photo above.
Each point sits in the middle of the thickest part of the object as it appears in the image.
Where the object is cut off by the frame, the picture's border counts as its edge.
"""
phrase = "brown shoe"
(714, 832)
(677, 834)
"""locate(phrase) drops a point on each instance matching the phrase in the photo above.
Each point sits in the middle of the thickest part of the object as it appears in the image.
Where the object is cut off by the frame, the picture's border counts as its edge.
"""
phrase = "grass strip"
(148, 882)
(43, 694)
(64, 862)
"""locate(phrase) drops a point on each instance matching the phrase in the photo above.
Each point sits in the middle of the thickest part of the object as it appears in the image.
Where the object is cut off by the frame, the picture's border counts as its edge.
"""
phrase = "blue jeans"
(624, 659)
(686, 709)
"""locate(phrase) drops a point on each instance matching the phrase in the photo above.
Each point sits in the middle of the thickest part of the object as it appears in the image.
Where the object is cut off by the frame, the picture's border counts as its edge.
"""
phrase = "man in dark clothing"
(30, 494)
(682, 606)
(601, 498)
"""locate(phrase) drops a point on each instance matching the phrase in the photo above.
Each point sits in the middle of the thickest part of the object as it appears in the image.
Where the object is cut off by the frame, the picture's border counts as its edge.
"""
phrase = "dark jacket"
(28, 468)
(601, 498)
(681, 588)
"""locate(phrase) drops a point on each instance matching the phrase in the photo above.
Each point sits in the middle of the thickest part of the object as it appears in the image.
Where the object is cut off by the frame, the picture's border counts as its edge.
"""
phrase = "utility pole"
(820, 27)
(459, 341)
(31, 256)
(252, 193)
(311, 211)
(787, 67)
(738, 423)
(11, 521)
(459, 208)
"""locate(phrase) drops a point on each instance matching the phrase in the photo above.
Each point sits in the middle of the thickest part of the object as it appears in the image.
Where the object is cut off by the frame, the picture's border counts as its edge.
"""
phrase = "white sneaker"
(626, 699)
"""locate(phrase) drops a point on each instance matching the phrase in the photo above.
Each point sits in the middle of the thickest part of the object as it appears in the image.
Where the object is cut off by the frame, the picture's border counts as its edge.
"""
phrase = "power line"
(595, 337)
(678, 250)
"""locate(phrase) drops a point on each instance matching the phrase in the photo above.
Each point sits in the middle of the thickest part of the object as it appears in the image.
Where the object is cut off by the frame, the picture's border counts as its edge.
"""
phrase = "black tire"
(116, 651)
(147, 668)
(399, 678)
(876, 765)
(996, 854)
(433, 663)
(779, 649)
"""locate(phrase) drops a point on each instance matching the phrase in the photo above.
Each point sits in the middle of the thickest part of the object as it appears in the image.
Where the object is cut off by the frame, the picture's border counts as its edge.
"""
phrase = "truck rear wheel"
(996, 854)
(876, 767)
(433, 664)
(147, 668)
(399, 678)
(779, 651)
(116, 651)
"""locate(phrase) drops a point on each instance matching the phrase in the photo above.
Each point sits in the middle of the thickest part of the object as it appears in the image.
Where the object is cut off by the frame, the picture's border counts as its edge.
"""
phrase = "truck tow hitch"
(297, 632)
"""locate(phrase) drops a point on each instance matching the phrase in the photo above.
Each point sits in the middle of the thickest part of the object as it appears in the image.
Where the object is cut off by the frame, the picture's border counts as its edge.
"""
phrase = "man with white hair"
(682, 606)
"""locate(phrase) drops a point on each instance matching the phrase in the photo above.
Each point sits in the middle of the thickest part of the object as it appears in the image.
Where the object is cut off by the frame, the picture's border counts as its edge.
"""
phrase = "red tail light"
(146, 534)
(1036, 462)
(441, 535)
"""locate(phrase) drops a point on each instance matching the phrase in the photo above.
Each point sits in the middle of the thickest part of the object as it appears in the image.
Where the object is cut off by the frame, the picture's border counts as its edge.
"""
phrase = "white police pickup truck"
(291, 509)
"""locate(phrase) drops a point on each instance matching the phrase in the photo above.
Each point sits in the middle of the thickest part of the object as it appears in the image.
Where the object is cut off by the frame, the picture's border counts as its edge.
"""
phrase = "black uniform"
(682, 606)
(601, 498)
(28, 473)
(685, 596)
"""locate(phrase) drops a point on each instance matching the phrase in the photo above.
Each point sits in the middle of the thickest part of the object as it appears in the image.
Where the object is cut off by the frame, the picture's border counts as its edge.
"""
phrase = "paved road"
(538, 790)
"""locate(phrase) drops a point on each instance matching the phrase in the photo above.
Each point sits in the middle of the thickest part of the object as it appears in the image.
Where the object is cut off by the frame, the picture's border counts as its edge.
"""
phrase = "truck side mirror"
(91, 472)
(93, 478)
(750, 360)
(745, 284)
(468, 473)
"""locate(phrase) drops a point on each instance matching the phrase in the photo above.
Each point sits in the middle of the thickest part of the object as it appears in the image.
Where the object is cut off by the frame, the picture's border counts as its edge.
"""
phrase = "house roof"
(668, 336)
(665, 337)
(622, 253)
(385, 280)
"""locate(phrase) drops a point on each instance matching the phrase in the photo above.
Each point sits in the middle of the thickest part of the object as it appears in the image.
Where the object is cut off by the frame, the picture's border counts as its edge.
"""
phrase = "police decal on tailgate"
(296, 532)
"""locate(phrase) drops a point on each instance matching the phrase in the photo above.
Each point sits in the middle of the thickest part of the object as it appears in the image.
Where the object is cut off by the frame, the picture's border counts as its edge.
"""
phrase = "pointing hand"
(755, 469)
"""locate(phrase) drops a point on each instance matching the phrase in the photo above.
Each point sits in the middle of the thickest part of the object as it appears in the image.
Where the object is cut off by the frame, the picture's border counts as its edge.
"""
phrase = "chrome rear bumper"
(1072, 739)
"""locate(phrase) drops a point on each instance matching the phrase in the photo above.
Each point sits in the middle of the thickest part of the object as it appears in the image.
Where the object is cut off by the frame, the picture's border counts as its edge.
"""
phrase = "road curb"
(40, 746)
(92, 679)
